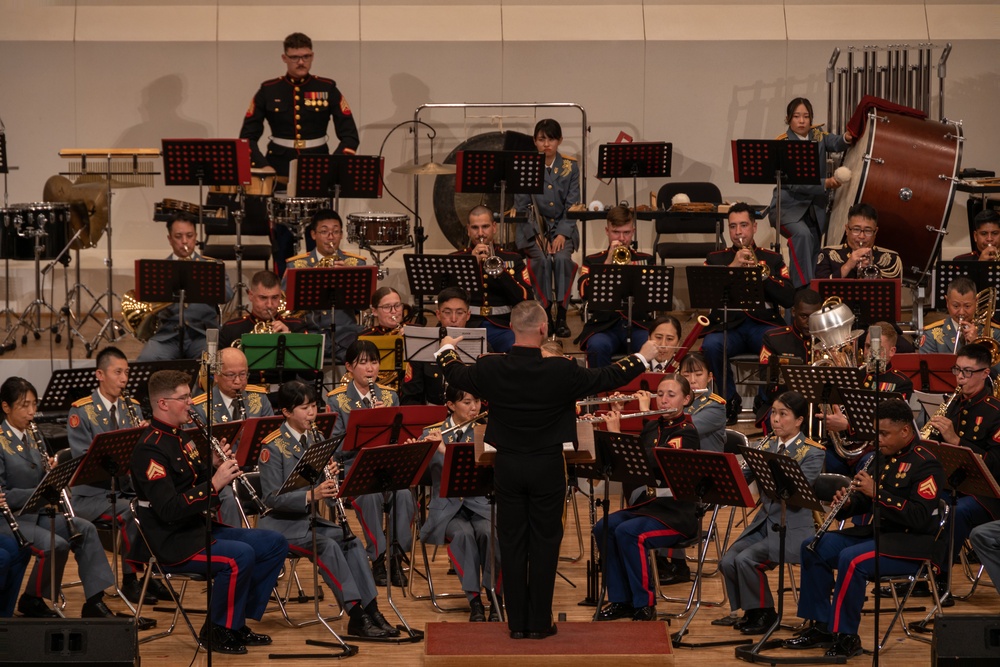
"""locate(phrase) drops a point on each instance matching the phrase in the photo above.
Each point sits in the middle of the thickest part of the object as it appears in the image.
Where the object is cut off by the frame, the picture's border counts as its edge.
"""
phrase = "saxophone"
(928, 432)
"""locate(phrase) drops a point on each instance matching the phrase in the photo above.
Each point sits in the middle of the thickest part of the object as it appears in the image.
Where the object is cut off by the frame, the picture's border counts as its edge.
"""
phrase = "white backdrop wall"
(90, 73)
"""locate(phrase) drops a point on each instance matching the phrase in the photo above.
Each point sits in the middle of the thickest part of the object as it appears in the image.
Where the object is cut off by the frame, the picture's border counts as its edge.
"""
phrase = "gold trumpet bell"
(621, 255)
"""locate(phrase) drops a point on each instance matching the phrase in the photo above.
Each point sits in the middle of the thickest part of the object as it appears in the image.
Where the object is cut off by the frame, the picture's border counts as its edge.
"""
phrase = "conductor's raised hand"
(648, 350)
(448, 340)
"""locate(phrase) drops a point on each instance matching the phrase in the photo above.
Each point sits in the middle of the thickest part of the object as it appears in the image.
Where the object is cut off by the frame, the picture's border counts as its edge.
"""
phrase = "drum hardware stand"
(5, 169)
(377, 255)
(65, 313)
(31, 318)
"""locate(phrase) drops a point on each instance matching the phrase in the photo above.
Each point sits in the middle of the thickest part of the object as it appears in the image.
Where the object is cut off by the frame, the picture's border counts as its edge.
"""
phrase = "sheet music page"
(423, 342)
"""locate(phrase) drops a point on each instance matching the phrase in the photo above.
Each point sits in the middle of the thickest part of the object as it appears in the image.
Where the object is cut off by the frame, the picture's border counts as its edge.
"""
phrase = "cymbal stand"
(112, 329)
(65, 313)
(7, 310)
(31, 318)
(74, 304)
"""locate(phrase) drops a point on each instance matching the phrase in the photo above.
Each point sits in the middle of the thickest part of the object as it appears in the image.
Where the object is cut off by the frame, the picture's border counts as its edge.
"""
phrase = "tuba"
(986, 301)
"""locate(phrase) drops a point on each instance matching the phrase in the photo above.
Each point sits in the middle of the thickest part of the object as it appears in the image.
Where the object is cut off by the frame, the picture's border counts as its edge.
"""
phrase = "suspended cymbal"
(426, 169)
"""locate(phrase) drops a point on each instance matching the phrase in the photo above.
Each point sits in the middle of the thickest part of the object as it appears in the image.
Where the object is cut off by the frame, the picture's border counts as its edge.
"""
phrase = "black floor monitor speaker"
(39, 642)
(966, 640)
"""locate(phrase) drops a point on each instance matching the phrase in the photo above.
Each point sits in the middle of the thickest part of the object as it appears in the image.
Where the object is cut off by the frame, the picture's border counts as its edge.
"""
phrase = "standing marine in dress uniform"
(298, 107)
(461, 523)
(908, 501)
(360, 393)
(549, 248)
(174, 491)
(501, 292)
(21, 470)
(327, 229)
(342, 563)
(605, 332)
(859, 249)
(745, 564)
(165, 344)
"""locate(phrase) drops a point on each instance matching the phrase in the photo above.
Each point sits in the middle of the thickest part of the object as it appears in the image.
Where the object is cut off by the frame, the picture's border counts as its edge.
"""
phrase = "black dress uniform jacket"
(505, 290)
(602, 320)
(977, 423)
(778, 290)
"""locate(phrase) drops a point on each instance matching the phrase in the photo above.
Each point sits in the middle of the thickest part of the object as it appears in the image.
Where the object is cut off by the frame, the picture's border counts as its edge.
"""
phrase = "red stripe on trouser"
(305, 553)
(126, 545)
(569, 285)
(40, 555)
(454, 561)
(762, 569)
(643, 561)
(231, 594)
(544, 298)
(364, 526)
(795, 260)
(868, 555)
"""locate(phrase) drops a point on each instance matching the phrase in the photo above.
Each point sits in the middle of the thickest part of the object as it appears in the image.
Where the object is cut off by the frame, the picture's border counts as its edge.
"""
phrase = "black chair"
(697, 192)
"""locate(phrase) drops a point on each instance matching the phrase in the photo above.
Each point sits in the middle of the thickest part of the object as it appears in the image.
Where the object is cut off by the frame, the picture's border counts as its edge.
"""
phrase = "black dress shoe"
(749, 616)
(224, 640)
(562, 330)
(133, 589)
(362, 626)
(845, 645)
(160, 590)
(477, 613)
(677, 575)
(380, 621)
(96, 610)
(399, 579)
(32, 607)
(728, 621)
(545, 633)
(615, 610)
(378, 571)
(494, 616)
(644, 614)
(251, 638)
(518, 634)
(810, 638)
(761, 623)
(733, 409)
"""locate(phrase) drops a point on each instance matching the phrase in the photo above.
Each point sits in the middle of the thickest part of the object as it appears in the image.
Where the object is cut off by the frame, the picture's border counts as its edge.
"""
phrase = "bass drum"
(452, 208)
(905, 168)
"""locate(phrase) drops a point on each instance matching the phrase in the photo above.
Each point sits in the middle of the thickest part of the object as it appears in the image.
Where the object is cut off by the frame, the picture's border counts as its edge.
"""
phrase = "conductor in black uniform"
(298, 107)
(532, 403)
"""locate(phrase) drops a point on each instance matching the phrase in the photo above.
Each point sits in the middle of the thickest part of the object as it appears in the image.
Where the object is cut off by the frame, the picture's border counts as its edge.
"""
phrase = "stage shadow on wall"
(160, 108)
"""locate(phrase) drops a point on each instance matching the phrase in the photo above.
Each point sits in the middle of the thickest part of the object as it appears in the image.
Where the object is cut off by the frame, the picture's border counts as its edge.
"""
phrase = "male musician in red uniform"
(174, 489)
(746, 329)
(265, 299)
(298, 107)
(986, 237)
(501, 292)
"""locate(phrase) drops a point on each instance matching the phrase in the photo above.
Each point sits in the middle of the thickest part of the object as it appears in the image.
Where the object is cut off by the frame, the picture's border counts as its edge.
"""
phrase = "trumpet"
(765, 270)
(67, 507)
(11, 520)
(261, 508)
(492, 265)
(866, 268)
(928, 432)
(340, 514)
(130, 408)
(992, 254)
(831, 516)
(621, 255)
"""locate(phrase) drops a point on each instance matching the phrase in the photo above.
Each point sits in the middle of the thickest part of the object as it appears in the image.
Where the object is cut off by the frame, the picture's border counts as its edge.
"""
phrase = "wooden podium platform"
(454, 644)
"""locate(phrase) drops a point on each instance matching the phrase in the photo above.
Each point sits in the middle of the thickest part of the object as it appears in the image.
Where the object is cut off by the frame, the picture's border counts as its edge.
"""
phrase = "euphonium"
(928, 432)
(983, 319)
(139, 317)
(621, 255)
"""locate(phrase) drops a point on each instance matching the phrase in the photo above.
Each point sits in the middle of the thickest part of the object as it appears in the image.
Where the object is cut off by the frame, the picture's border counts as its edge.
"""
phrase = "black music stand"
(984, 274)
(160, 280)
(462, 478)
(871, 301)
(635, 160)
(4, 166)
(330, 288)
(309, 472)
(428, 275)
(780, 478)
(713, 478)
(325, 421)
(204, 162)
(967, 473)
(47, 495)
(487, 172)
(251, 439)
(930, 372)
(776, 162)
(635, 288)
(109, 457)
(385, 470)
(735, 289)
(227, 431)
(390, 355)
(340, 175)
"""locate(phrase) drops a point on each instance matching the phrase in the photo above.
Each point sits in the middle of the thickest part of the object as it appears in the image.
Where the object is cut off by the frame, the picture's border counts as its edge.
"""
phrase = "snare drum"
(294, 212)
(22, 223)
(376, 229)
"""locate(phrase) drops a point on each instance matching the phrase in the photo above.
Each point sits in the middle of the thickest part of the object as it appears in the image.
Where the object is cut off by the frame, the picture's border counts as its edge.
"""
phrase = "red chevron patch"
(155, 471)
(927, 488)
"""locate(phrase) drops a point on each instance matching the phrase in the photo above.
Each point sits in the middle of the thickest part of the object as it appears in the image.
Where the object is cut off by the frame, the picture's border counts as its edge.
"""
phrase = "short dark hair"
(741, 207)
(105, 356)
(297, 40)
(163, 382)
(453, 394)
(809, 297)
(324, 214)
(265, 278)
(794, 104)
(14, 389)
(666, 319)
(619, 216)
(863, 210)
(359, 349)
(694, 361)
(985, 217)
(381, 293)
(895, 410)
(449, 293)
(795, 402)
(547, 127)
(962, 285)
(294, 393)
(481, 209)
(978, 352)
(181, 216)
(888, 332)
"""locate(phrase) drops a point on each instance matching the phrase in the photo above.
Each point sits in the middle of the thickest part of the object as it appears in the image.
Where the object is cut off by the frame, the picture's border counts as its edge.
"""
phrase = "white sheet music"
(422, 342)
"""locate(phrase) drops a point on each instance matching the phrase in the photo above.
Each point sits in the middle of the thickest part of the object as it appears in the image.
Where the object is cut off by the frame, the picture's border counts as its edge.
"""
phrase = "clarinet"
(238, 401)
(262, 509)
(67, 507)
(338, 503)
(130, 408)
(834, 510)
(11, 520)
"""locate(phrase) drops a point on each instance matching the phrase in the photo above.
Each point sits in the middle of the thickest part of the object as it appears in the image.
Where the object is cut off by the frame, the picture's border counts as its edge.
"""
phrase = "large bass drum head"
(452, 208)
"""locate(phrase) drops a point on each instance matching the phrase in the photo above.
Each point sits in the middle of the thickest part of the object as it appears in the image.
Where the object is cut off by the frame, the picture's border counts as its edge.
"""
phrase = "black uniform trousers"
(531, 499)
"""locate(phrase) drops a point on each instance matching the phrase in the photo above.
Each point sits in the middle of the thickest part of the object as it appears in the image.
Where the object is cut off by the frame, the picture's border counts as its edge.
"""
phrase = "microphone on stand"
(211, 358)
